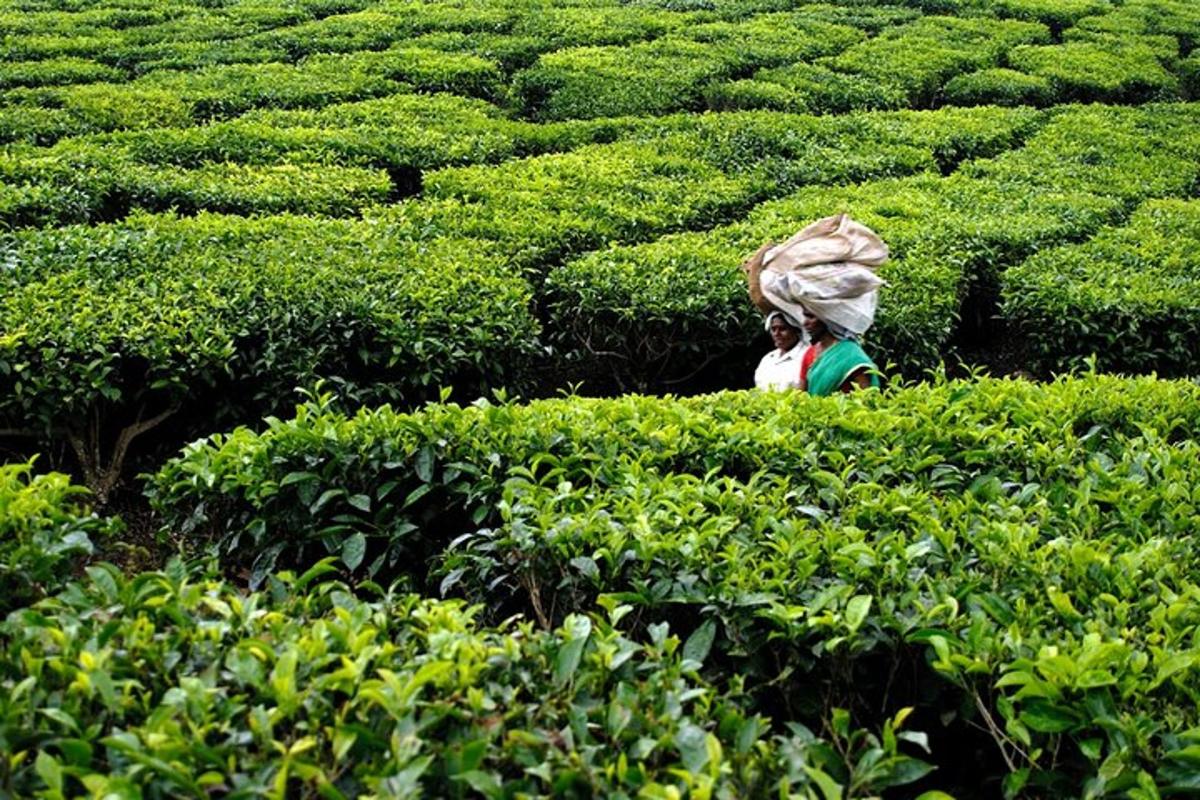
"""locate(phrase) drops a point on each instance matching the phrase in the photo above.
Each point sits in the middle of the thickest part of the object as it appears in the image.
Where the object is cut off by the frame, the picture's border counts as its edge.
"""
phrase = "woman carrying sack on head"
(824, 276)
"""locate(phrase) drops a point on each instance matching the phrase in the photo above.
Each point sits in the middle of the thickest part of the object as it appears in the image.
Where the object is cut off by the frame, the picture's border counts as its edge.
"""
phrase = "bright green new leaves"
(44, 530)
(172, 683)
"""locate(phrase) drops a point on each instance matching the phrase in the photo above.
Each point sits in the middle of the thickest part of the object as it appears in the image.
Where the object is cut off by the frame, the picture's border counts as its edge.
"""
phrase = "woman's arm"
(859, 380)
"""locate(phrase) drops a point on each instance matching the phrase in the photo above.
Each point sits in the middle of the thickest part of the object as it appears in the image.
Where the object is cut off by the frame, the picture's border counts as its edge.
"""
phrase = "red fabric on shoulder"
(806, 361)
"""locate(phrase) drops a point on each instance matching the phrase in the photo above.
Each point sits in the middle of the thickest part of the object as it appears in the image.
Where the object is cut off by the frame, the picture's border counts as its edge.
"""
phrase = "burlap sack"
(826, 270)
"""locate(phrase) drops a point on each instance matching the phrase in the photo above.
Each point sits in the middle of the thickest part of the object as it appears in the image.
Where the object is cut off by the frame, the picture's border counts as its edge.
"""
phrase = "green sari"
(836, 365)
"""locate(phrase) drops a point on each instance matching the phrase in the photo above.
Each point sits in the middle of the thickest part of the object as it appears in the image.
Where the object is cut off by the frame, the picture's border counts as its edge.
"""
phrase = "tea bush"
(770, 40)
(449, 464)
(239, 189)
(998, 86)
(592, 25)
(28, 125)
(1126, 297)
(1176, 18)
(91, 108)
(873, 20)
(110, 330)
(805, 88)
(45, 529)
(754, 94)
(308, 690)
(225, 91)
(918, 58)
(653, 78)
(1058, 14)
(34, 47)
(50, 72)
(670, 74)
(338, 33)
(510, 51)
(1128, 153)
(146, 58)
(1110, 72)
(84, 183)
(972, 521)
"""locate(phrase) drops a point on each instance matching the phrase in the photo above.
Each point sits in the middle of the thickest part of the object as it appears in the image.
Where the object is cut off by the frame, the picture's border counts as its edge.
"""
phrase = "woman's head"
(816, 328)
(784, 334)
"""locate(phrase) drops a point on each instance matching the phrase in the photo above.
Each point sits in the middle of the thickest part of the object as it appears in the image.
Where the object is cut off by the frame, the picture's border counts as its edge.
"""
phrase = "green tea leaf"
(353, 550)
(698, 645)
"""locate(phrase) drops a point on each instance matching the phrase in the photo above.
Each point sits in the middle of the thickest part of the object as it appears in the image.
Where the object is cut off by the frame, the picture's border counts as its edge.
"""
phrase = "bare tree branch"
(115, 465)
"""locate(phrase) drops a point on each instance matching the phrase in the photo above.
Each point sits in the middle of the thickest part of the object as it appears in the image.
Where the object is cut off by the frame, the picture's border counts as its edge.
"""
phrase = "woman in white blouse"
(779, 369)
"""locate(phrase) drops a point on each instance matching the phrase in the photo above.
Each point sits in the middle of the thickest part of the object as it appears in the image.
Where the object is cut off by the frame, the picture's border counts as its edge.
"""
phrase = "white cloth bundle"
(827, 270)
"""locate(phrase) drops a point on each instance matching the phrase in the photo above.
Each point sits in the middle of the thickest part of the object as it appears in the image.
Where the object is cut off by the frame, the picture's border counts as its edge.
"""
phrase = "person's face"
(813, 327)
(783, 335)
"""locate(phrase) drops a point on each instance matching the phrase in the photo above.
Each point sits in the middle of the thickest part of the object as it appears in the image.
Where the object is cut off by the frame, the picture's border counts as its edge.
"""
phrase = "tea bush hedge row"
(805, 88)
(320, 161)
(307, 689)
(681, 300)
(1176, 18)
(1057, 14)
(683, 173)
(174, 98)
(32, 47)
(45, 114)
(1105, 690)
(1089, 72)
(321, 79)
(1126, 297)
(236, 188)
(194, 55)
(669, 74)
(1029, 543)
(593, 24)
(111, 329)
(54, 71)
(918, 58)
(1129, 153)
(93, 185)
(998, 86)
(26, 20)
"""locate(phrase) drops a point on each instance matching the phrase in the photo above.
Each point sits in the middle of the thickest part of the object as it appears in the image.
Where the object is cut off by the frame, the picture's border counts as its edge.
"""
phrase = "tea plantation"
(291, 232)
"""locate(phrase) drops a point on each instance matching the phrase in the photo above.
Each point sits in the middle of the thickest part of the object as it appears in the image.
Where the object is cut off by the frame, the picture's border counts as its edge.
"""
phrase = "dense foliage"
(980, 586)
(44, 530)
(177, 683)
(544, 138)
(1021, 554)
